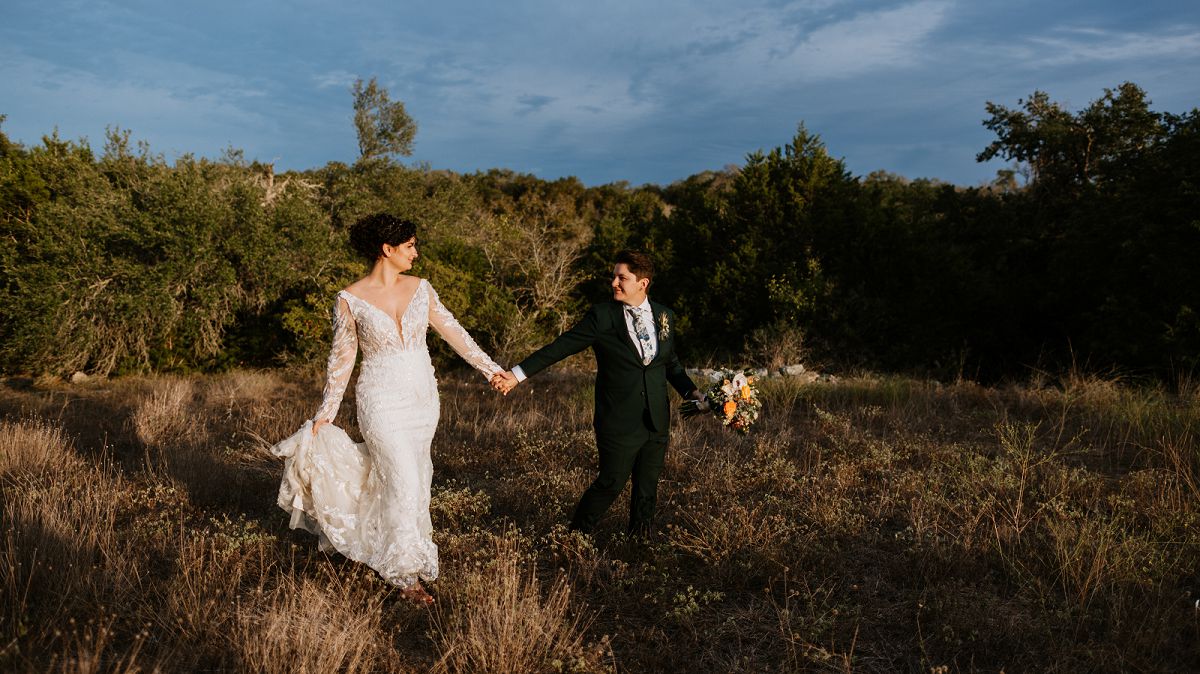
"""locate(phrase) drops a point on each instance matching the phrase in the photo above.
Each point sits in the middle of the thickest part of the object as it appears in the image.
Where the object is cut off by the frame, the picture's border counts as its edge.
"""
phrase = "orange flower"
(729, 409)
(746, 392)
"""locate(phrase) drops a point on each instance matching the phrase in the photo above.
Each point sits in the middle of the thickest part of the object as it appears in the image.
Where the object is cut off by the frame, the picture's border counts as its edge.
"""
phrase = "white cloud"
(335, 78)
(883, 40)
(768, 50)
(1076, 45)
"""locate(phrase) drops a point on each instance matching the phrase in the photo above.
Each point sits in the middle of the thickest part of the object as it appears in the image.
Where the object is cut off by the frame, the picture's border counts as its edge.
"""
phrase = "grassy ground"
(873, 524)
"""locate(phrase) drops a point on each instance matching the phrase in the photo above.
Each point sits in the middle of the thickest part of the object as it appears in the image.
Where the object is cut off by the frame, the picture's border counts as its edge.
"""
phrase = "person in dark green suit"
(634, 342)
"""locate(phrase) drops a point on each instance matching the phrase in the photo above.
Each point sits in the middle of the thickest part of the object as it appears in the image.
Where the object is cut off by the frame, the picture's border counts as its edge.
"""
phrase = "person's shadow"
(213, 456)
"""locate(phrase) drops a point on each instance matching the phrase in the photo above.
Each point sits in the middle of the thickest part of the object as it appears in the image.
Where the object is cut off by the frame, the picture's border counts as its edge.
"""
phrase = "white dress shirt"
(647, 316)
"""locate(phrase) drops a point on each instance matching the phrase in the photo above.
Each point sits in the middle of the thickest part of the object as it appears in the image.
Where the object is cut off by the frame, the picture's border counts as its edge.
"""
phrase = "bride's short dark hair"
(368, 235)
(640, 264)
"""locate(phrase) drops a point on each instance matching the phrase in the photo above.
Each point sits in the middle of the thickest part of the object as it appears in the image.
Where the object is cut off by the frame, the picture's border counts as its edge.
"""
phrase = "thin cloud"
(766, 51)
(1076, 45)
(335, 78)
(883, 40)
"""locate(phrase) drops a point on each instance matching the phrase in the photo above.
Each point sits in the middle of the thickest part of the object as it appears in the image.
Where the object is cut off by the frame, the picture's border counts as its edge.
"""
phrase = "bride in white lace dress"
(370, 501)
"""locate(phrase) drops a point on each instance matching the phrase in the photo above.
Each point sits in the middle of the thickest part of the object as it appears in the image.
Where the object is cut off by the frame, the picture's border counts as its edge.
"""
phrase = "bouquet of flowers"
(733, 398)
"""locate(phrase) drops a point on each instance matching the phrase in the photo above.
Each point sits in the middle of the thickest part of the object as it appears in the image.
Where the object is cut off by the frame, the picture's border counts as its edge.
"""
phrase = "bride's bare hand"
(318, 424)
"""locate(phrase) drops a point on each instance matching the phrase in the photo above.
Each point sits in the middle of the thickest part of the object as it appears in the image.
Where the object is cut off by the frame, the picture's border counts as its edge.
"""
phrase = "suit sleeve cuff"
(518, 373)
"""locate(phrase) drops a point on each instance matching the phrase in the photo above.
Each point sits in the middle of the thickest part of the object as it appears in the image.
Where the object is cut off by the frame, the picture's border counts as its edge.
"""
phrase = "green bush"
(129, 264)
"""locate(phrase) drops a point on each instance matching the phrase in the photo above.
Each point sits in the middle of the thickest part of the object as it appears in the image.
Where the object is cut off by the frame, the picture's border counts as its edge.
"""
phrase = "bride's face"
(400, 258)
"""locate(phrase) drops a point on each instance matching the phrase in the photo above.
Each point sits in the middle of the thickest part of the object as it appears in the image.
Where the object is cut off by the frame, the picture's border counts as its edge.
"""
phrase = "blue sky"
(606, 91)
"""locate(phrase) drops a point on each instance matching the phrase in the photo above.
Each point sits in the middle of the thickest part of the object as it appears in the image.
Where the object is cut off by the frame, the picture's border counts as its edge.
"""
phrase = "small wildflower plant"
(733, 398)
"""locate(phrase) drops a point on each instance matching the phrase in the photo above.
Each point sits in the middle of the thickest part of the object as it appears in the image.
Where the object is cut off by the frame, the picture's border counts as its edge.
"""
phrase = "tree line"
(1083, 254)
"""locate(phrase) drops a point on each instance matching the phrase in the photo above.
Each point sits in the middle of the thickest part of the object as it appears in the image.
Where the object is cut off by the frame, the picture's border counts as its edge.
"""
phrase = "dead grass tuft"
(313, 625)
(162, 417)
(30, 449)
(499, 620)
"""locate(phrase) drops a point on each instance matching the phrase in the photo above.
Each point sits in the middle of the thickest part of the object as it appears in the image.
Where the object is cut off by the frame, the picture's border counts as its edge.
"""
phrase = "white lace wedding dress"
(370, 501)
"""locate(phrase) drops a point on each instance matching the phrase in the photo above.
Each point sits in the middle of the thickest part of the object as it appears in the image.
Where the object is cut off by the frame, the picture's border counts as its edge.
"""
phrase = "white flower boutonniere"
(664, 326)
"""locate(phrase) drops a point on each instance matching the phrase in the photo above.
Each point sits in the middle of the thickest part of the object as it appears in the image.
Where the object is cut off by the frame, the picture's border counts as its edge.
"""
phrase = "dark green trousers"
(638, 453)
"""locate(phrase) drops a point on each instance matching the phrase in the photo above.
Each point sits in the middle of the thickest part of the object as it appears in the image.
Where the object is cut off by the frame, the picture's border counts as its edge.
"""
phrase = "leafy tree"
(1103, 243)
(1070, 151)
(384, 127)
(6, 145)
(755, 241)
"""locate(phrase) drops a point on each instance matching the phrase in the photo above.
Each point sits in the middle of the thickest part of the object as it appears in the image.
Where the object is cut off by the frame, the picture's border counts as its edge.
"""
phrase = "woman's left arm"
(458, 338)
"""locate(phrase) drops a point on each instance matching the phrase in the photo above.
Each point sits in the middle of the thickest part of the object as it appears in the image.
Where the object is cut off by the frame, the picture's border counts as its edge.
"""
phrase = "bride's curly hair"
(368, 235)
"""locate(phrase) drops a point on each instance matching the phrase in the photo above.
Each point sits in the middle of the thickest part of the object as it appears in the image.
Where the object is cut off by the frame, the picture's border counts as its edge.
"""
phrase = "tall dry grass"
(321, 624)
(61, 556)
(874, 524)
(499, 619)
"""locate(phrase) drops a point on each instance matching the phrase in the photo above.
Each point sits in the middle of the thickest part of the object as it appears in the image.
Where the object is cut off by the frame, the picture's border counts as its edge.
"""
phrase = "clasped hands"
(504, 381)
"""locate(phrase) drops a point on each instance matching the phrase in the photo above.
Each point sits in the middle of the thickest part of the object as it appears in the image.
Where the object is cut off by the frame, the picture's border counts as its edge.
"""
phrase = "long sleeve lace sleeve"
(341, 360)
(448, 327)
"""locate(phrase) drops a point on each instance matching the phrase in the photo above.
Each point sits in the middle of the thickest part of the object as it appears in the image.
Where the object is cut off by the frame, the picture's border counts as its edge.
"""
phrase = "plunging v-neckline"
(398, 324)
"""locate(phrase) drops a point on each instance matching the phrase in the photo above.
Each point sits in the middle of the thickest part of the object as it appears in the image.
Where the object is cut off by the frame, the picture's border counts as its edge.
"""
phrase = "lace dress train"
(370, 500)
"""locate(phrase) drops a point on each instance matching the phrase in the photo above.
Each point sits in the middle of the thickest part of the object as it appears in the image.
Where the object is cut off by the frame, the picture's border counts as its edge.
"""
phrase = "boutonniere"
(664, 326)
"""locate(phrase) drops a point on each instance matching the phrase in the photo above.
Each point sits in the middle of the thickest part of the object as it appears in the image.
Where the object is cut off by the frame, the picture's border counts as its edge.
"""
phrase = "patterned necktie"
(643, 334)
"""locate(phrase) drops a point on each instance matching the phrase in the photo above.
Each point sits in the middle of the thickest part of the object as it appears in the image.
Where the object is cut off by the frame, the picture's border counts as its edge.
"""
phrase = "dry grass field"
(872, 524)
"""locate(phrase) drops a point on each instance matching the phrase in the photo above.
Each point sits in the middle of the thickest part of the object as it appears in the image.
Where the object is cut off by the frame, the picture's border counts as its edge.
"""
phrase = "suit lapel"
(657, 311)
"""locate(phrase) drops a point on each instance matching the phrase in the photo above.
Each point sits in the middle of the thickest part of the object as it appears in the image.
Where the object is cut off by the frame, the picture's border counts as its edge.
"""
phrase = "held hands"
(504, 382)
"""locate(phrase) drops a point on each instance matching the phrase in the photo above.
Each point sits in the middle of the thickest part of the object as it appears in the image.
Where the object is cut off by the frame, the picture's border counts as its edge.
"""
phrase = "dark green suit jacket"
(624, 386)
